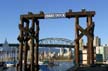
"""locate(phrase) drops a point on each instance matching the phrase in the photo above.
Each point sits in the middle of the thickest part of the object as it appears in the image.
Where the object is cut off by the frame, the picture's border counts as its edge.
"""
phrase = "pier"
(31, 34)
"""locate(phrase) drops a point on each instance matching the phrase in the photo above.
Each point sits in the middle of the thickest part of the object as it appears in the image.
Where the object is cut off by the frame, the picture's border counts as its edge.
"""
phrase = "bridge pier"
(27, 34)
(89, 32)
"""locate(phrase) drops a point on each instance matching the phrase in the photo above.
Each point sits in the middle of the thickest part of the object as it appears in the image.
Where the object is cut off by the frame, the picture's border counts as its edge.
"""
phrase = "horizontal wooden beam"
(69, 14)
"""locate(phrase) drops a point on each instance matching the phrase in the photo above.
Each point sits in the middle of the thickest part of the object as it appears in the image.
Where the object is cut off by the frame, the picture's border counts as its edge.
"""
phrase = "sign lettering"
(55, 15)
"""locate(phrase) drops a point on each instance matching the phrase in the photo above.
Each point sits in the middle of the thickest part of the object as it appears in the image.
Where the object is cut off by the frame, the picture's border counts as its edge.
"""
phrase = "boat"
(43, 65)
(49, 63)
(46, 62)
(10, 64)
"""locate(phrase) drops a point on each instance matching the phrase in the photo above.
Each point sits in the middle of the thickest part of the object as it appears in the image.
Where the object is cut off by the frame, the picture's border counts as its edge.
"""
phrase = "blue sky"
(10, 11)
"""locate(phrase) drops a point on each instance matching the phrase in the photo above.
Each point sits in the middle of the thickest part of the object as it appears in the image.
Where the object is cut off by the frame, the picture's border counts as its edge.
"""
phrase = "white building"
(102, 50)
(8, 53)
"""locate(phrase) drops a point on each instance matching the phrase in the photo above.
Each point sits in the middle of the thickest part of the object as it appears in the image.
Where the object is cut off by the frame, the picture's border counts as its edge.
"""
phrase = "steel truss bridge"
(51, 42)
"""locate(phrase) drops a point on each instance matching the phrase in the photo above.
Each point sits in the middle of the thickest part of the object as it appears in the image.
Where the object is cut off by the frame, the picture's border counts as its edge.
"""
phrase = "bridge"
(56, 42)
(51, 42)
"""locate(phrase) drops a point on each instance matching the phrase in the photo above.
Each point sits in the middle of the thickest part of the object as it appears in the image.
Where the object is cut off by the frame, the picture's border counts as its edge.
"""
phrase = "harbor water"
(61, 66)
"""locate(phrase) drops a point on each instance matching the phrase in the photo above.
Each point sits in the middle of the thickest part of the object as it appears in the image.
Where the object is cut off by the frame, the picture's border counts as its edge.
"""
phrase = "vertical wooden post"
(90, 42)
(21, 46)
(93, 54)
(32, 44)
(26, 45)
(77, 41)
(88, 47)
(37, 44)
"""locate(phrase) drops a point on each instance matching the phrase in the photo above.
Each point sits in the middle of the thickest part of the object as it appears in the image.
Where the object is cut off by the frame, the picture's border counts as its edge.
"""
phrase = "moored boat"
(10, 64)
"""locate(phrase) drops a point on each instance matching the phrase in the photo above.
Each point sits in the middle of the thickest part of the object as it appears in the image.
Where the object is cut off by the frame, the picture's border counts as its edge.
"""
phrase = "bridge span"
(50, 42)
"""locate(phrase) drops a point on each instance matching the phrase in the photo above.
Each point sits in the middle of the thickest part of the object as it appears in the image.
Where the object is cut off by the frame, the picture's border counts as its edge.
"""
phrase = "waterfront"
(61, 66)
(61, 63)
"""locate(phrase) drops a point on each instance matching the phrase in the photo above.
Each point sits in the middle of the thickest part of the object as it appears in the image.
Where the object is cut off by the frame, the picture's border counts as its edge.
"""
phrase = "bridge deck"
(45, 45)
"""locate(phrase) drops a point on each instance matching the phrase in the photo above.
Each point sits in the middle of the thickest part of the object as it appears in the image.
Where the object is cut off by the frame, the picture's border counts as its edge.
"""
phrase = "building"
(8, 53)
(83, 55)
(81, 44)
(103, 50)
(96, 41)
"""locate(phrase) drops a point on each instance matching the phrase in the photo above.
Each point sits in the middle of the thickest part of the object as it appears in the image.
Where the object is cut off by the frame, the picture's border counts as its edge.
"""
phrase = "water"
(10, 69)
(61, 66)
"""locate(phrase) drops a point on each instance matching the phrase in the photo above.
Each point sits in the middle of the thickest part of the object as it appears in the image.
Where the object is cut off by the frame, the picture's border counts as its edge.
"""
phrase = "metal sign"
(55, 15)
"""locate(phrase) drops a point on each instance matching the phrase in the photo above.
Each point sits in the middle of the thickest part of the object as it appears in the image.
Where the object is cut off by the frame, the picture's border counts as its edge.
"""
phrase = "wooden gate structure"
(28, 32)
